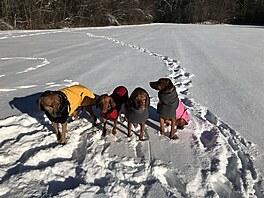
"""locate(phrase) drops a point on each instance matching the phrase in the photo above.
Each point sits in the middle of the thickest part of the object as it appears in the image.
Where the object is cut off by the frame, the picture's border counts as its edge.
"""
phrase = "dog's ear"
(170, 84)
(41, 99)
(130, 101)
(166, 84)
(147, 100)
(153, 85)
(112, 102)
(40, 103)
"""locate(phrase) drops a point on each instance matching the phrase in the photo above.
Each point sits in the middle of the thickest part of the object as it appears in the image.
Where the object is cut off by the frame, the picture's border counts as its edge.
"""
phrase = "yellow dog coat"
(75, 95)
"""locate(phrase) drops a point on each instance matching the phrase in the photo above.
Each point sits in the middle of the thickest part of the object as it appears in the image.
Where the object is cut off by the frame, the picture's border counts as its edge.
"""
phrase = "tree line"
(40, 14)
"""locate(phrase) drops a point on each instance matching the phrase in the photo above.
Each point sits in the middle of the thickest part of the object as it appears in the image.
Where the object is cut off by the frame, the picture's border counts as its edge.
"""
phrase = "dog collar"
(168, 98)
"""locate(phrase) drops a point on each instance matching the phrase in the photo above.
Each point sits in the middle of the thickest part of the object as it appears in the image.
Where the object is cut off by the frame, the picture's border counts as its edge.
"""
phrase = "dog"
(138, 110)
(59, 105)
(110, 106)
(170, 108)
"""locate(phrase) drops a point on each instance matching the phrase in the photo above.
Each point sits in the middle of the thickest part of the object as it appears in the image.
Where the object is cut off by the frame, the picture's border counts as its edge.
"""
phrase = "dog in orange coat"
(59, 105)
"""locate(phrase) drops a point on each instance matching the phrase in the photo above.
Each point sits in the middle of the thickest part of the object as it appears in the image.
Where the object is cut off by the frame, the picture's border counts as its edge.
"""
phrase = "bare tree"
(33, 14)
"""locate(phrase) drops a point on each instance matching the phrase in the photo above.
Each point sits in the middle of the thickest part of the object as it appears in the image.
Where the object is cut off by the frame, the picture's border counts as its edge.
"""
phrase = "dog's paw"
(96, 122)
(104, 133)
(142, 139)
(114, 132)
(129, 135)
(175, 137)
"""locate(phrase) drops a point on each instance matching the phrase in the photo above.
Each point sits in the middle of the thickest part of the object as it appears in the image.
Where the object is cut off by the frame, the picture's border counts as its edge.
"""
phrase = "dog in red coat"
(110, 106)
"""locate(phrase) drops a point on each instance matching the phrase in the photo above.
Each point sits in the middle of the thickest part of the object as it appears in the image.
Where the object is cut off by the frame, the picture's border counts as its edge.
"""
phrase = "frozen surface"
(218, 71)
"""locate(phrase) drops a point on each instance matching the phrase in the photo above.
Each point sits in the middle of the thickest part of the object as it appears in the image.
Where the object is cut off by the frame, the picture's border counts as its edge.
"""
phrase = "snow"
(218, 73)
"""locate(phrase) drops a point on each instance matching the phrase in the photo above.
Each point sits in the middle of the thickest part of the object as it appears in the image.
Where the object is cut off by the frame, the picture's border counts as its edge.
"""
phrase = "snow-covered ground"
(218, 72)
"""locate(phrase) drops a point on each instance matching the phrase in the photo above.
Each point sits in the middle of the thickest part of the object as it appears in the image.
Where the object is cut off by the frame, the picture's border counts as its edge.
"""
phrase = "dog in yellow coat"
(59, 105)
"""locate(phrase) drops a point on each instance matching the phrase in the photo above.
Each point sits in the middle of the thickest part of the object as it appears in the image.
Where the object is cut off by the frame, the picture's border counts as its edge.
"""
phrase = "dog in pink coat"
(170, 108)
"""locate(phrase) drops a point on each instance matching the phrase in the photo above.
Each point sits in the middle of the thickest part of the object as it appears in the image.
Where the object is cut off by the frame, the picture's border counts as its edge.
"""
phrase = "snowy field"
(218, 71)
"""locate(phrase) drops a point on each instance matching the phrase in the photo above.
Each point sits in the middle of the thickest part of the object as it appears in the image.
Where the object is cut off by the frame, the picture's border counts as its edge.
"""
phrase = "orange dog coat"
(75, 95)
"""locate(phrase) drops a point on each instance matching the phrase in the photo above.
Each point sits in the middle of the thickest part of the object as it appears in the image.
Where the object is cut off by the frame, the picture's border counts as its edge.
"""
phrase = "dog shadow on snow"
(153, 116)
(28, 105)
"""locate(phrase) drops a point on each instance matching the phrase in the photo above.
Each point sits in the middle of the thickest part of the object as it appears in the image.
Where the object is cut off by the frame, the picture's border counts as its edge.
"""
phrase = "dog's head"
(51, 103)
(139, 99)
(105, 103)
(163, 84)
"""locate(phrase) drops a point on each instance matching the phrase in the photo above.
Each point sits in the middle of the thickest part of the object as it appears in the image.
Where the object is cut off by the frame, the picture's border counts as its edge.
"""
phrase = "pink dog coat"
(181, 112)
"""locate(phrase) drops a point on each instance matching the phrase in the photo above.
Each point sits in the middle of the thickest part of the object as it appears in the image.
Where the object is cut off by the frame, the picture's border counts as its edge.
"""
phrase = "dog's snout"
(151, 84)
(154, 85)
(142, 104)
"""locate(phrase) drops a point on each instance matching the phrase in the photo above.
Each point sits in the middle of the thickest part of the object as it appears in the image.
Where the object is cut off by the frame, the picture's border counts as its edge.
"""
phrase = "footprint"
(247, 164)
(187, 102)
(210, 117)
(105, 147)
(209, 138)
(139, 152)
(232, 172)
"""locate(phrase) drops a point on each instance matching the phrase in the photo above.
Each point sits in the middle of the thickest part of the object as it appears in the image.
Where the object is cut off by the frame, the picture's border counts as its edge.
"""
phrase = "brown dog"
(111, 105)
(59, 105)
(170, 108)
(137, 110)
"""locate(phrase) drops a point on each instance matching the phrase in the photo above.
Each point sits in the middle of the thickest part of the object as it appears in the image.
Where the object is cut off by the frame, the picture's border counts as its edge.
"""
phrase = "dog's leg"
(56, 127)
(90, 112)
(114, 127)
(104, 127)
(172, 133)
(77, 113)
(126, 112)
(142, 127)
(162, 130)
(129, 125)
(64, 129)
